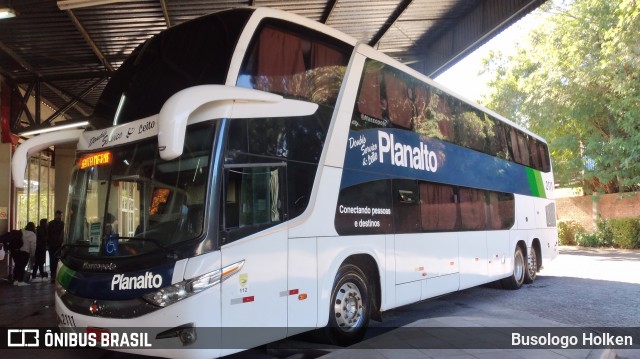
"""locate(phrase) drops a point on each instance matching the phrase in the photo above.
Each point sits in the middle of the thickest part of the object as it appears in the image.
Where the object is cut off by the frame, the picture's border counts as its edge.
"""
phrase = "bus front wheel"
(515, 280)
(350, 306)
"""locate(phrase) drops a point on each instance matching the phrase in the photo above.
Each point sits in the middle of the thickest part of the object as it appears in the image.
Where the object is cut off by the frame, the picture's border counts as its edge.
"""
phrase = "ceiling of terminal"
(64, 52)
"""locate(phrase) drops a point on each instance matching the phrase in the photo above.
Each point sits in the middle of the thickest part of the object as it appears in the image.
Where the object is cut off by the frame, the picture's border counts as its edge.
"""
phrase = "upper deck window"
(295, 62)
(390, 98)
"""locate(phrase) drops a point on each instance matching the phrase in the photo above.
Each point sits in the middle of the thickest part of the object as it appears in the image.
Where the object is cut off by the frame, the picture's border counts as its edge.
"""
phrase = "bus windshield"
(126, 200)
(197, 52)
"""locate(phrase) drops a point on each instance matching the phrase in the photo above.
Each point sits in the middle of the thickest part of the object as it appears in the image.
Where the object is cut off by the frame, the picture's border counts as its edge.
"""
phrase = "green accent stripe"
(535, 183)
(531, 178)
(65, 276)
(540, 184)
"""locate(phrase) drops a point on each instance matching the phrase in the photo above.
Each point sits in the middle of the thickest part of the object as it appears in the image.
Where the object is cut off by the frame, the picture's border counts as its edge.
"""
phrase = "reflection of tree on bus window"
(385, 111)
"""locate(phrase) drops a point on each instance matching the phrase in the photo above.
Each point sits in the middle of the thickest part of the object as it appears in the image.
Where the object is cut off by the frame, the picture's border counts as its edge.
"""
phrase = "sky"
(463, 78)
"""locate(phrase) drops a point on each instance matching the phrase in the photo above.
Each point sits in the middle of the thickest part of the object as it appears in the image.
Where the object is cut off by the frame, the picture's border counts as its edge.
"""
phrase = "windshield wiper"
(169, 252)
(60, 252)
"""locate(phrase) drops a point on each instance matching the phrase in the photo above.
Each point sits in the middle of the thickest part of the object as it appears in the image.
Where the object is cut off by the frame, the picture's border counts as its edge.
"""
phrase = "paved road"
(582, 287)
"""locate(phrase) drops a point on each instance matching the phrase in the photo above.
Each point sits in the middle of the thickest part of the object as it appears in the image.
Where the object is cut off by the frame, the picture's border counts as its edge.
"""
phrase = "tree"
(577, 83)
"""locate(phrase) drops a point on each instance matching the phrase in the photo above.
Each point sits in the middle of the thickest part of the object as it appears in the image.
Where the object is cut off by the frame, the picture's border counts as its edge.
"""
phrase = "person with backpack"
(55, 233)
(4, 242)
(41, 252)
(14, 245)
(27, 251)
(6, 250)
(20, 248)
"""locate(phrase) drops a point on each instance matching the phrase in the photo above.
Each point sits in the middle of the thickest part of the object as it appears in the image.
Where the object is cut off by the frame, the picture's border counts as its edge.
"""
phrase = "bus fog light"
(188, 336)
(186, 333)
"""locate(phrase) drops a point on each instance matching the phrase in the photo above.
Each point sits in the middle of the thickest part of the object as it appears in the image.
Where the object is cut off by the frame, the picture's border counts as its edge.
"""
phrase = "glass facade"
(36, 199)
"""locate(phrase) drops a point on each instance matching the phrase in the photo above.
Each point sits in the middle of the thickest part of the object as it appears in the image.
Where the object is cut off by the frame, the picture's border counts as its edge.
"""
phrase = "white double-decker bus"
(252, 171)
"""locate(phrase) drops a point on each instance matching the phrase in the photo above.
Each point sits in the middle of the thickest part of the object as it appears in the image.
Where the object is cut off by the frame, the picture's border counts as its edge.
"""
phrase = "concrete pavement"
(32, 306)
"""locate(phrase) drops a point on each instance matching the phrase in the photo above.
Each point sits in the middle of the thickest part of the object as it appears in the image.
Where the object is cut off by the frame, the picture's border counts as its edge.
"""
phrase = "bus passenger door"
(254, 301)
(410, 250)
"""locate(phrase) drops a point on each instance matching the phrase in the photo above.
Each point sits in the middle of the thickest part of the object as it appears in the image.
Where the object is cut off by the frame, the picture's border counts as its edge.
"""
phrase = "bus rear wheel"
(515, 280)
(532, 266)
(350, 306)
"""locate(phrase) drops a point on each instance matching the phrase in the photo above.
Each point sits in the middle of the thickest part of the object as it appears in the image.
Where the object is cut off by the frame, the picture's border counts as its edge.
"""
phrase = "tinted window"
(284, 138)
(472, 209)
(420, 207)
(391, 98)
(271, 164)
(197, 52)
(406, 206)
(253, 199)
(501, 210)
(296, 62)
(365, 209)
(438, 207)
(498, 144)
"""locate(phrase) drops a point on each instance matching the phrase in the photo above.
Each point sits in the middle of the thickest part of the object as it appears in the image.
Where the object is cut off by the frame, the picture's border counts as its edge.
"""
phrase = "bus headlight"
(179, 291)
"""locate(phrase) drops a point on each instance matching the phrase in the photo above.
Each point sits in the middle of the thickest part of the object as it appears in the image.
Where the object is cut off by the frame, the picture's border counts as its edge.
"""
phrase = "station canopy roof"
(63, 52)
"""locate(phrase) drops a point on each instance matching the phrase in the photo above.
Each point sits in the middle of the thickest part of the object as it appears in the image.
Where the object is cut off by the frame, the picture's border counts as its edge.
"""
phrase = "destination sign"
(95, 159)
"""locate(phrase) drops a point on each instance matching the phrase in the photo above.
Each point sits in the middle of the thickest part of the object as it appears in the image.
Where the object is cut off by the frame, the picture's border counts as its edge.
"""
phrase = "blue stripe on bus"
(377, 154)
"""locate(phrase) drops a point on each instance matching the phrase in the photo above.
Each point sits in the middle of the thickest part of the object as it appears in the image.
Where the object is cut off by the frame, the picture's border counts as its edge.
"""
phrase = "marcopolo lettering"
(99, 266)
(144, 281)
(405, 155)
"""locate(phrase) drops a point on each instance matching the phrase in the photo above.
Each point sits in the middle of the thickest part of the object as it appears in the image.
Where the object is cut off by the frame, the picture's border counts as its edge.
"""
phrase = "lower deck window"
(409, 206)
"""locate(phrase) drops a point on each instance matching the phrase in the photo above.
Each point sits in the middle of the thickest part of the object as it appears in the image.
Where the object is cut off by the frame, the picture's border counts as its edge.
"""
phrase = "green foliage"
(588, 239)
(577, 83)
(604, 233)
(567, 231)
(625, 232)
(616, 232)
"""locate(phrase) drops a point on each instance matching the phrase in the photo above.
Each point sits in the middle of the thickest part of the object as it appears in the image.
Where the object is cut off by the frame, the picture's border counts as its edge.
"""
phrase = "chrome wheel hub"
(532, 264)
(348, 307)
(518, 269)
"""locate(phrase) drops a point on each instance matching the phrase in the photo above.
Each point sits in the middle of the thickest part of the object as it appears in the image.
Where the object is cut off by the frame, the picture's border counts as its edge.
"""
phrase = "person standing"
(12, 243)
(54, 242)
(21, 257)
(41, 251)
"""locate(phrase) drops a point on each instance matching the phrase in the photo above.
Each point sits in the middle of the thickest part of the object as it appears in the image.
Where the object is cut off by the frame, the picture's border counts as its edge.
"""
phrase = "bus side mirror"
(37, 144)
(207, 102)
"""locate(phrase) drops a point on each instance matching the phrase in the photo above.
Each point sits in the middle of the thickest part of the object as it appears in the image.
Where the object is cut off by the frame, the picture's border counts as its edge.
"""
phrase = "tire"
(516, 279)
(531, 272)
(350, 307)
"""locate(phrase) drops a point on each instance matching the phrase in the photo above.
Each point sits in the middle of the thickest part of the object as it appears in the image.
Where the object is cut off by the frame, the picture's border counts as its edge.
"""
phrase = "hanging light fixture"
(6, 10)
(54, 128)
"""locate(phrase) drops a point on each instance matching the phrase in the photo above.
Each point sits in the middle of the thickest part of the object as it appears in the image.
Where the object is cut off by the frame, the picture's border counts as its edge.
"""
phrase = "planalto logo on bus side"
(404, 155)
(389, 149)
